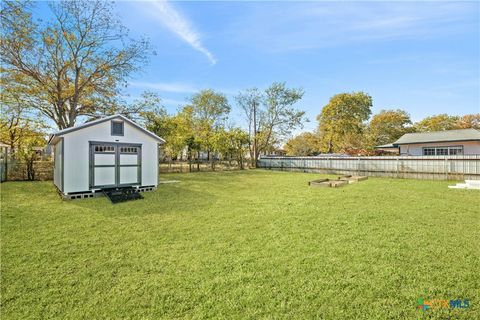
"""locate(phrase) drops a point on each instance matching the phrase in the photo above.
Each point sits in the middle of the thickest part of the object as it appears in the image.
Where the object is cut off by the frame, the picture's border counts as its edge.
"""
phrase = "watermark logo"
(422, 305)
(442, 303)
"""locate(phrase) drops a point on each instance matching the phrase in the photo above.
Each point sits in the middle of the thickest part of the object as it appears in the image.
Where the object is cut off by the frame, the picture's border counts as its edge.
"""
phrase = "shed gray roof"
(94, 122)
(439, 136)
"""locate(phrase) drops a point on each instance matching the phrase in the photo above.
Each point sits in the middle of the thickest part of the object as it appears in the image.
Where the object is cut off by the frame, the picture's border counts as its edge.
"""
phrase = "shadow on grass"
(167, 199)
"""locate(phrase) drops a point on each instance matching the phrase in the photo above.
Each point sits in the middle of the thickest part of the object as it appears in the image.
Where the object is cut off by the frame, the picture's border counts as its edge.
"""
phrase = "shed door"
(129, 165)
(115, 165)
(103, 169)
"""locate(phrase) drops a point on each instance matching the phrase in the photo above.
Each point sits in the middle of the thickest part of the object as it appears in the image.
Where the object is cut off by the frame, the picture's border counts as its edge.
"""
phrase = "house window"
(443, 151)
(455, 151)
(104, 149)
(117, 128)
(428, 151)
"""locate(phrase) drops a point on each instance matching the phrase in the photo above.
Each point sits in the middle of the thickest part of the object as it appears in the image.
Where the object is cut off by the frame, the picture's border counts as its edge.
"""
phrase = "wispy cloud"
(180, 87)
(174, 87)
(172, 19)
(290, 26)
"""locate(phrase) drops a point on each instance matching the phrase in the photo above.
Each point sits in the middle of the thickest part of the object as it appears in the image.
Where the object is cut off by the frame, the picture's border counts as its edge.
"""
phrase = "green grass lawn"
(252, 244)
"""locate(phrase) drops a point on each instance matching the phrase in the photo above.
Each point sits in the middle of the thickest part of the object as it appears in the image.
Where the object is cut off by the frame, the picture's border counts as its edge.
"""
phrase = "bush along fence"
(425, 167)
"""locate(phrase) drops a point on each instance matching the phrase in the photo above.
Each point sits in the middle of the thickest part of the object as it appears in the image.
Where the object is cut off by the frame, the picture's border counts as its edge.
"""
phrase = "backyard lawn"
(253, 244)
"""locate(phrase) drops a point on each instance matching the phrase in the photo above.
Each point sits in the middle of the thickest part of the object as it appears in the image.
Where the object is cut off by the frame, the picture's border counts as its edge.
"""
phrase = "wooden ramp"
(122, 194)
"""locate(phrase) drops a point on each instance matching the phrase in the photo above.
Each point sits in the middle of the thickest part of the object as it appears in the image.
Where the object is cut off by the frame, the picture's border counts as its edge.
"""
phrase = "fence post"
(398, 167)
(446, 168)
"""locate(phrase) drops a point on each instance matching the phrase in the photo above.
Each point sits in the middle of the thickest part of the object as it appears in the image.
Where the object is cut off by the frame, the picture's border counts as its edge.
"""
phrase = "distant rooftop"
(385, 146)
(439, 136)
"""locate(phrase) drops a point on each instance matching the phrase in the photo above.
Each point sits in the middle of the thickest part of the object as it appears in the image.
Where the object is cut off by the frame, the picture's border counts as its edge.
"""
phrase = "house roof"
(439, 136)
(385, 146)
(98, 121)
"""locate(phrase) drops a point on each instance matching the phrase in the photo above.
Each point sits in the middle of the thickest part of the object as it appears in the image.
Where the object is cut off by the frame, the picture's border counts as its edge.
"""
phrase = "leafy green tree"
(31, 139)
(233, 143)
(342, 121)
(18, 123)
(238, 140)
(210, 110)
(469, 121)
(21, 131)
(304, 144)
(439, 122)
(387, 126)
(72, 65)
(279, 117)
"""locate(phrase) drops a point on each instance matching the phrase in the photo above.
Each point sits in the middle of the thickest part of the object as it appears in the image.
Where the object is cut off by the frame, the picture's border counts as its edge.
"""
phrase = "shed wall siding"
(77, 154)
(469, 147)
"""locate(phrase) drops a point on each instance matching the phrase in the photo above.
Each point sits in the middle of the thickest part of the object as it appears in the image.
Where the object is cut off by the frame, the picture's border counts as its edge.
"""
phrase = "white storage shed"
(112, 152)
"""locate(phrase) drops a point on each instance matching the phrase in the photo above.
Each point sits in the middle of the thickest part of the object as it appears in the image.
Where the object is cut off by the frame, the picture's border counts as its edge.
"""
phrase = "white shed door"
(129, 163)
(114, 165)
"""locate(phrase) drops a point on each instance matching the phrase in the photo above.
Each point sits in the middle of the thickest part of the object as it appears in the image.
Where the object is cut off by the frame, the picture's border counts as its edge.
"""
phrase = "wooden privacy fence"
(425, 167)
(15, 170)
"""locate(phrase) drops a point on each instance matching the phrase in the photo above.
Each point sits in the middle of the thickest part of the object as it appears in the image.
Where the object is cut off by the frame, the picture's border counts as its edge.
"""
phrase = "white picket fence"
(415, 167)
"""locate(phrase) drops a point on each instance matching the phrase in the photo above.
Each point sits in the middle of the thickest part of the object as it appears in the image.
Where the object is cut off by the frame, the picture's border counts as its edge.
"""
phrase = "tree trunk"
(212, 160)
(255, 147)
(198, 160)
(189, 160)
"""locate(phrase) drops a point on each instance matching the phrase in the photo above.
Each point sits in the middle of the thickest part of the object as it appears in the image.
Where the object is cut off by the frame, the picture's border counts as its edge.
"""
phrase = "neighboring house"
(112, 152)
(387, 149)
(438, 143)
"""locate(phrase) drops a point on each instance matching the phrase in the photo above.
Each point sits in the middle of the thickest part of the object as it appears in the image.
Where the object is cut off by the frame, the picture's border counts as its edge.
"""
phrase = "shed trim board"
(94, 122)
(63, 163)
(58, 169)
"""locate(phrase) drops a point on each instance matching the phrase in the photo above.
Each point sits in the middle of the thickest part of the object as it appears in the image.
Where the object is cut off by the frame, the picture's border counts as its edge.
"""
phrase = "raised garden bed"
(335, 183)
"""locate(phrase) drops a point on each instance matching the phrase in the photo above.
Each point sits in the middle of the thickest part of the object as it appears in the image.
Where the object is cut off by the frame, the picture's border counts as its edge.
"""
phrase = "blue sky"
(423, 57)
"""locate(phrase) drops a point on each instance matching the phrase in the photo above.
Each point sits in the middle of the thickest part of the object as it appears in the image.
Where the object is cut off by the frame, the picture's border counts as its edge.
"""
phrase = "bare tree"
(74, 65)
(250, 101)
(271, 115)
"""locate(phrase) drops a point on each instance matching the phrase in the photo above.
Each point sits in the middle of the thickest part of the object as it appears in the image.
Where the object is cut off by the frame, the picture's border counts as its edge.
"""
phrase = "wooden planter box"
(332, 183)
(328, 183)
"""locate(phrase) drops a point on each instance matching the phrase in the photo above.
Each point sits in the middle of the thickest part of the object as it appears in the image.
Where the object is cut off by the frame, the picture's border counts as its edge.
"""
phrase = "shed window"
(117, 128)
(104, 149)
(128, 149)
